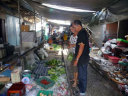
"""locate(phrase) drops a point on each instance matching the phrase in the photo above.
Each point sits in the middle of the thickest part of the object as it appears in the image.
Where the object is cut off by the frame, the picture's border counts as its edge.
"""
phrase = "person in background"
(65, 37)
(72, 45)
(81, 55)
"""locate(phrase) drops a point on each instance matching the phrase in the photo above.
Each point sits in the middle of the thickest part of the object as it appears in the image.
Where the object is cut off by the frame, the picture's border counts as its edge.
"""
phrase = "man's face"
(72, 29)
(76, 27)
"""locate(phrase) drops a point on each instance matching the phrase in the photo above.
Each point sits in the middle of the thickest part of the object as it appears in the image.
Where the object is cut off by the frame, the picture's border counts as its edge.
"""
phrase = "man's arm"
(81, 48)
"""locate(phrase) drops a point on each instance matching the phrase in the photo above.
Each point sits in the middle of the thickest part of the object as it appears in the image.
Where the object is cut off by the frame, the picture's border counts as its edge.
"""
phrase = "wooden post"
(118, 29)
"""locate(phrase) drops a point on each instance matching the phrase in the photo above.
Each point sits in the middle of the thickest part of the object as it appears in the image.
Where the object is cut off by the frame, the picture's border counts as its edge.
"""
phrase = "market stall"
(46, 78)
(111, 62)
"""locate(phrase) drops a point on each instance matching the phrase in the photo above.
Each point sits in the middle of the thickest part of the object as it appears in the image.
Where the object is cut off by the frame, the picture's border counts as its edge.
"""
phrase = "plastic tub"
(122, 63)
(106, 56)
(122, 40)
(113, 59)
(47, 82)
(122, 44)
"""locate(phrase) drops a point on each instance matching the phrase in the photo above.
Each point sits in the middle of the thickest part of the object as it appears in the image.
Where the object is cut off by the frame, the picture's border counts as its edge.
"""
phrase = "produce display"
(53, 63)
(56, 69)
(56, 47)
(56, 72)
(61, 87)
(50, 76)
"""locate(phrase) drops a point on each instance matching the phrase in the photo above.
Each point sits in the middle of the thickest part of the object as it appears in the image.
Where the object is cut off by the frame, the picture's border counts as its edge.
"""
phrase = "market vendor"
(72, 45)
(81, 55)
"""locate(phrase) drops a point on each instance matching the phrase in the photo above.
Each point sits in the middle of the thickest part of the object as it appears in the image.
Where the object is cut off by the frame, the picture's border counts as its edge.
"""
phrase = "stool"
(17, 88)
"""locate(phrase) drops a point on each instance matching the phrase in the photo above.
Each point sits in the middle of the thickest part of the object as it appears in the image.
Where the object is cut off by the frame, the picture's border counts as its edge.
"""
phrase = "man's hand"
(75, 62)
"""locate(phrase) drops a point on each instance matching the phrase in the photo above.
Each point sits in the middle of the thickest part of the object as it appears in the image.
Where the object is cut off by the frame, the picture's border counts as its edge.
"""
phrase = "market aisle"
(98, 86)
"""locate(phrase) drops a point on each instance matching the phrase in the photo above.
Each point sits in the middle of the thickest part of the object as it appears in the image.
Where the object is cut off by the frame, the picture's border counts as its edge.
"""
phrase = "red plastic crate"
(17, 88)
(106, 56)
(114, 59)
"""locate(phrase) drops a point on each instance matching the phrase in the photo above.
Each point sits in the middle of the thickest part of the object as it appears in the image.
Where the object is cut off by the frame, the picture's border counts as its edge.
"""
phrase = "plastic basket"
(122, 63)
(47, 93)
(106, 56)
(51, 82)
(113, 59)
(122, 44)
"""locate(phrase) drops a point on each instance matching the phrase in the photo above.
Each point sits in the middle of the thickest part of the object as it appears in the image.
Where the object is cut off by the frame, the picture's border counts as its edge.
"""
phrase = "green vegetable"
(53, 62)
(70, 57)
(56, 69)
(56, 72)
(54, 77)
(56, 47)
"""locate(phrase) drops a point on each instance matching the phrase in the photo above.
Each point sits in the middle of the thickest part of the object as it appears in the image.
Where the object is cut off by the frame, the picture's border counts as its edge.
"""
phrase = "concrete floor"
(98, 86)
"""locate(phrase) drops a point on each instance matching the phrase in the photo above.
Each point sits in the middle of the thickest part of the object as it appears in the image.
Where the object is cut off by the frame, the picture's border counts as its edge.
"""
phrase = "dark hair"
(77, 22)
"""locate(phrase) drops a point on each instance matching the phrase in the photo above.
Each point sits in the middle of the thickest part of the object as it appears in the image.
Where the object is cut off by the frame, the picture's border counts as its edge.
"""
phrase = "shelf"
(12, 59)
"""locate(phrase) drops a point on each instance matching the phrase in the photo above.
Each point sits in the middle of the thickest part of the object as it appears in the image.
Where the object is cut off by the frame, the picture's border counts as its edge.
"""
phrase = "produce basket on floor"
(114, 80)
(43, 92)
(45, 82)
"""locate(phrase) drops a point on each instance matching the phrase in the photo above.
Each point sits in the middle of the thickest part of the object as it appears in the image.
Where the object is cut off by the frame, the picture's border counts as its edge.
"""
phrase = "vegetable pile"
(56, 72)
(56, 47)
(53, 63)
(56, 69)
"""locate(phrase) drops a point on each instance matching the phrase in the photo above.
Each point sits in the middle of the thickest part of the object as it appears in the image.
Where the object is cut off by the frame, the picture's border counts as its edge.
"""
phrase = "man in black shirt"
(81, 55)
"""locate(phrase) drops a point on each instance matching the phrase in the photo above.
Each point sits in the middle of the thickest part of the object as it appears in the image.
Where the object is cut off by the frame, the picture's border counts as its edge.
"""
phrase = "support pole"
(19, 25)
(35, 25)
(20, 32)
(42, 34)
(118, 29)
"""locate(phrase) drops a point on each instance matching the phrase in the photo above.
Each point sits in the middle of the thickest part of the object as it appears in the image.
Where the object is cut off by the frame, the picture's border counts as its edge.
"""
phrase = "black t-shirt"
(83, 37)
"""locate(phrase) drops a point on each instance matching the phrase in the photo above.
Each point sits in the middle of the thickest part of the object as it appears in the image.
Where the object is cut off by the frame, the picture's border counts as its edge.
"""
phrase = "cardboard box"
(25, 28)
(15, 75)
(4, 79)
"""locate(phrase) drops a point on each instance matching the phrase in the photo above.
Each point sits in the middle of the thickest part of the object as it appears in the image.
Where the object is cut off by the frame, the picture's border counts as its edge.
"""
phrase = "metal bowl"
(27, 71)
